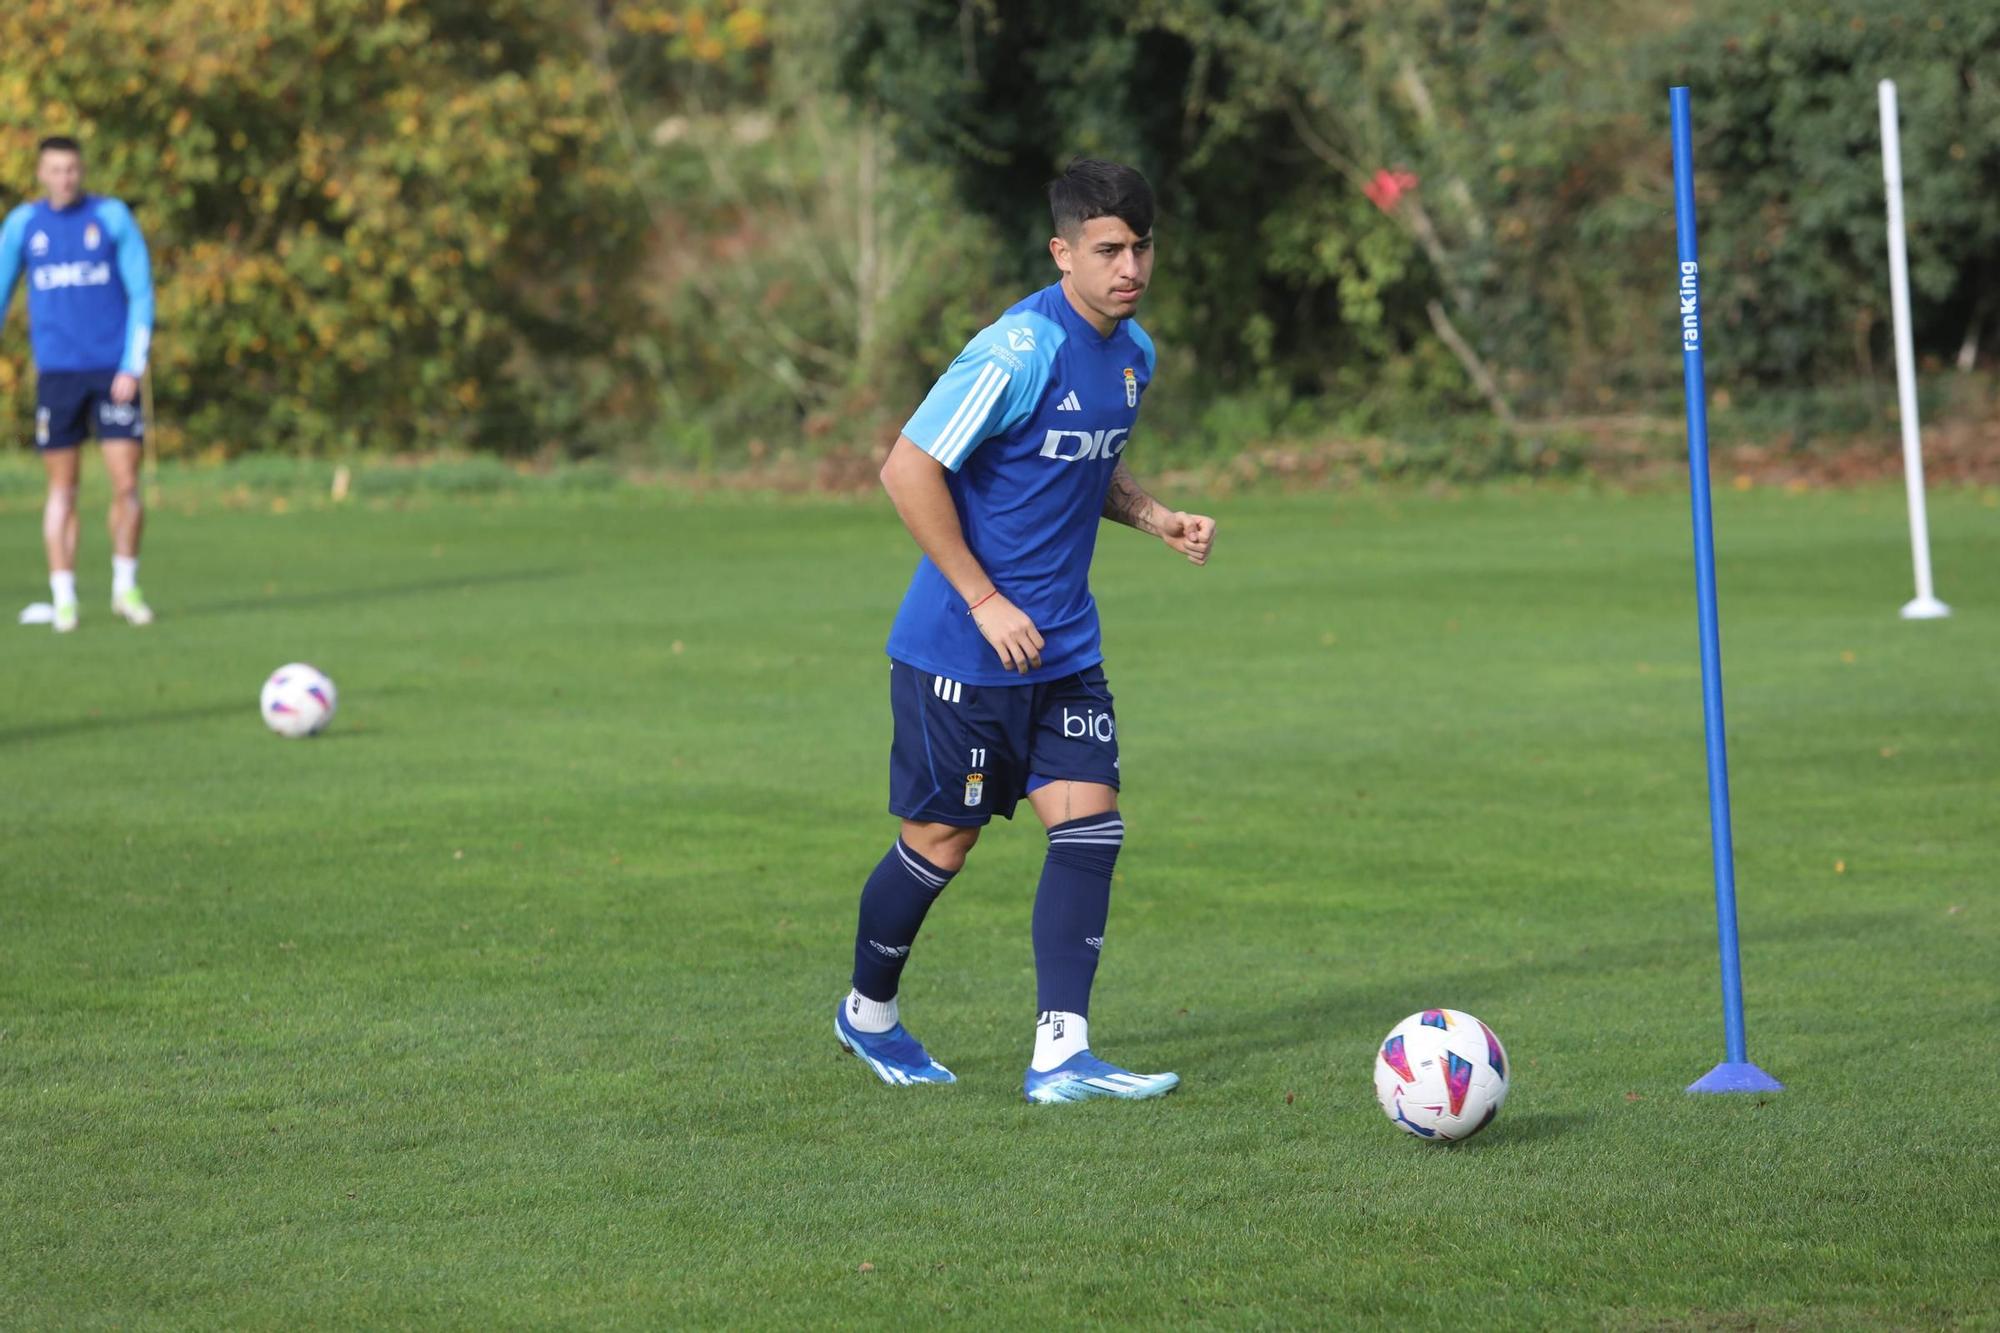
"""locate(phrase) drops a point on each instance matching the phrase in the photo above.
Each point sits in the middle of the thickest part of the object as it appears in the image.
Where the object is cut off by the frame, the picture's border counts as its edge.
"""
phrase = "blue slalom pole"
(1735, 1073)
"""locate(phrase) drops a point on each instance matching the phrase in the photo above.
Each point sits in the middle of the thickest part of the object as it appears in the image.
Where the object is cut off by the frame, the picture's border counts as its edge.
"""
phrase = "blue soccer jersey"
(1030, 421)
(90, 284)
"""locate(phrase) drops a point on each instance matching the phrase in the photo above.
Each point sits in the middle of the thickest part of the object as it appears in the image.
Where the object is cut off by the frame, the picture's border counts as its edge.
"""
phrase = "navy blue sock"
(1070, 910)
(893, 904)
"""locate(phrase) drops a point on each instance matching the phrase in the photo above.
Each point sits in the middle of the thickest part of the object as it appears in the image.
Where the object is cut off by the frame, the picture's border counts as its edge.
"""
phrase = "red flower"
(1389, 187)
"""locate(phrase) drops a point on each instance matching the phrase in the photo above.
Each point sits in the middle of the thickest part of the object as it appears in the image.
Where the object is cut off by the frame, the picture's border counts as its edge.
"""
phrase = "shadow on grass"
(343, 596)
(244, 710)
(1307, 1020)
(1510, 1131)
(72, 726)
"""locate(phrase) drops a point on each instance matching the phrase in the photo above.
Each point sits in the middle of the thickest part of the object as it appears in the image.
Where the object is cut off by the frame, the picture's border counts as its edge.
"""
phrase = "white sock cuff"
(871, 1015)
(62, 585)
(1058, 1036)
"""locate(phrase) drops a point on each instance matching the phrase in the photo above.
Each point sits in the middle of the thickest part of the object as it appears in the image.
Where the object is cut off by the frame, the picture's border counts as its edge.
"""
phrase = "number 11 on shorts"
(975, 781)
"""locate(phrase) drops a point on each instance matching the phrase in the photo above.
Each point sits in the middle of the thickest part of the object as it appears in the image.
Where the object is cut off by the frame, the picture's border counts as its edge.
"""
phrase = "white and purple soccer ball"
(298, 701)
(1441, 1075)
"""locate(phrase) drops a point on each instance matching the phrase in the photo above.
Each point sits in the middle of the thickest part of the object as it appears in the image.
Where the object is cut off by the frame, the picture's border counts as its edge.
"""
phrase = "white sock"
(62, 586)
(871, 1015)
(1058, 1036)
(124, 574)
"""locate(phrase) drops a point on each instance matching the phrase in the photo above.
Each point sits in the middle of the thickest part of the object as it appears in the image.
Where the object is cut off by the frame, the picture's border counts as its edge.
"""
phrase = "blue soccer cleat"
(897, 1058)
(1083, 1076)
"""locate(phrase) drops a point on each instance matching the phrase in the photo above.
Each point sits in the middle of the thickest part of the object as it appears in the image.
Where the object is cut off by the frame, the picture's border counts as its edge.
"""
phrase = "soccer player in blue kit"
(996, 676)
(90, 322)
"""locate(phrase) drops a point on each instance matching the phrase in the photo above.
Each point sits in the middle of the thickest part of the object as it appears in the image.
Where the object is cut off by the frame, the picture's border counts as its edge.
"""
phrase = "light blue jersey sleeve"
(989, 390)
(135, 270)
(13, 241)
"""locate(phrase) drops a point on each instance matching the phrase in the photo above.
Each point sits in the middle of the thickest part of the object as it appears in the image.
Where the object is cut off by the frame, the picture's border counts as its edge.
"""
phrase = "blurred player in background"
(996, 677)
(90, 323)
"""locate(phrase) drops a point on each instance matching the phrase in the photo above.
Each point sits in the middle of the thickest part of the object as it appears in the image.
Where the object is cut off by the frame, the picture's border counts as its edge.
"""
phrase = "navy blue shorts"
(70, 403)
(965, 753)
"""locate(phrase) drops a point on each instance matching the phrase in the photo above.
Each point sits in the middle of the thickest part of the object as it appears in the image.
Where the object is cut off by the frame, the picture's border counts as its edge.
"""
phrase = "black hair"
(58, 143)
(1089, 188)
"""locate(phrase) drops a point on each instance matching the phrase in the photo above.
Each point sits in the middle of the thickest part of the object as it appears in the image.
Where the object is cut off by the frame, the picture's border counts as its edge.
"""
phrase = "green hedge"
(718, 230)
(374, 223)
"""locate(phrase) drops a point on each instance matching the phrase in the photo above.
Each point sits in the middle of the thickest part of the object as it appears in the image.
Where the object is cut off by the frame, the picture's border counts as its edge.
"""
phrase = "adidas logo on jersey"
(1069, 403)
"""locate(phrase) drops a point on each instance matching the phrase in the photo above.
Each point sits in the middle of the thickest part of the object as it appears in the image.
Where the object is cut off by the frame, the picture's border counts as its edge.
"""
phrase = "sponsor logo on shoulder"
(1021, 340)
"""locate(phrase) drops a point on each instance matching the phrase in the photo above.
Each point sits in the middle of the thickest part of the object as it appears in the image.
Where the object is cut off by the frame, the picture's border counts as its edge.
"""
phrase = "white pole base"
(1925, 608)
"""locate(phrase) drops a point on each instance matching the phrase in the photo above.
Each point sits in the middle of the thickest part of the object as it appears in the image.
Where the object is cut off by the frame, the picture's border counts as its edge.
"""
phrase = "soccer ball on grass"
(1441, 1075)
(298, 701)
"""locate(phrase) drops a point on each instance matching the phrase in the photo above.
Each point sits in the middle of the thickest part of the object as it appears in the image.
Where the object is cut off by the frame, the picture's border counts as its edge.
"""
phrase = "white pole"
(1925, 606)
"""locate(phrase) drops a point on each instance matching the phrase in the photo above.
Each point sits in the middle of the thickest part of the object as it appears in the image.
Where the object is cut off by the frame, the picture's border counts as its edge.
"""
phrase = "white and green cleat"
(129, 605)
(64, 619)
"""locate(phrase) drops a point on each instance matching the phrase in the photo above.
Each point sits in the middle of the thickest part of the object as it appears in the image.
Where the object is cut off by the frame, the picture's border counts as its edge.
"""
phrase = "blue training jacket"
(90, 284)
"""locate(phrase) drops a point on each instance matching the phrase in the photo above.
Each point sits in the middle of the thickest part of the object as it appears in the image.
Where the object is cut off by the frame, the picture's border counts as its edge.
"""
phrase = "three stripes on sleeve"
(966, 427)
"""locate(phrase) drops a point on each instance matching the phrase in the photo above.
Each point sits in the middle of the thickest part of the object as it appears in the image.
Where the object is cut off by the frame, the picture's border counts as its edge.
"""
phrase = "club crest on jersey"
(91, 236)
(1131, 388)
(975, 788)
(38, 244)
(1021, 340)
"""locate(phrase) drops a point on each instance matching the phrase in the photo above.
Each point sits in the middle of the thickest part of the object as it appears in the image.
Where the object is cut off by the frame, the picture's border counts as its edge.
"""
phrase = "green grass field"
(508, 1001)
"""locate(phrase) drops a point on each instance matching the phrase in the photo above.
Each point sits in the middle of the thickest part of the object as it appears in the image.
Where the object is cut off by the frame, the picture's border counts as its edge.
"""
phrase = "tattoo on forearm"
(1127, 502)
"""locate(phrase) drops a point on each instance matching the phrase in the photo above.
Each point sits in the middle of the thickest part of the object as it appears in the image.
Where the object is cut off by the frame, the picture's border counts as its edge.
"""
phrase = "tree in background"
(719, 229)
(1791, 159)
(1364, 199)
(805, 275)
(376, 223)
(1355, 188)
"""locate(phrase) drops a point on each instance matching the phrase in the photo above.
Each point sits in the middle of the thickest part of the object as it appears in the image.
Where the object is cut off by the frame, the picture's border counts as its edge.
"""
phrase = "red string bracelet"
(982, 601)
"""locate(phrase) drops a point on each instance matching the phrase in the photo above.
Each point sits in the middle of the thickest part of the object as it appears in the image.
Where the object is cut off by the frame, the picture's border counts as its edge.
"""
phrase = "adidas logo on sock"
(1095, 941)
(889, 950)
(1069, 403)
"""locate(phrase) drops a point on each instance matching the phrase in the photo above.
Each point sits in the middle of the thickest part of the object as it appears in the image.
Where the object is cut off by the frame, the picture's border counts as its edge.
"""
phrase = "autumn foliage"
(374, 223)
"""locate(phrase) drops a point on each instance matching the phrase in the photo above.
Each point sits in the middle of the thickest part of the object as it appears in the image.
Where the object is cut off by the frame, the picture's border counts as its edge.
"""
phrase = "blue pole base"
(1727, 1077)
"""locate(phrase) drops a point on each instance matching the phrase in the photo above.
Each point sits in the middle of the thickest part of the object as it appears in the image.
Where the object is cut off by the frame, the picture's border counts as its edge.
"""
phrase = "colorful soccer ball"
(1441, 1074)
(298, 701)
